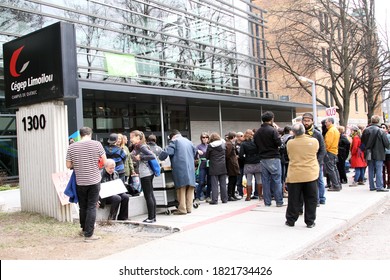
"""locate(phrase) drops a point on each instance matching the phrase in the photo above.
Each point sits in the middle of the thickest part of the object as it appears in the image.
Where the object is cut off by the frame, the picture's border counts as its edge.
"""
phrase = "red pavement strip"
(221, 217)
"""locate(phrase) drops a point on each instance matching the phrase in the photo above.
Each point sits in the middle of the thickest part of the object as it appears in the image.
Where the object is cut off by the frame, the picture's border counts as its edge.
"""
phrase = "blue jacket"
(70, 189)
(182, 155)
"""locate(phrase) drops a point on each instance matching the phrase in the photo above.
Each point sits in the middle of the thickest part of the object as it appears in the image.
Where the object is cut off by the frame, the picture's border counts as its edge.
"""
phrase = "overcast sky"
(382, 12)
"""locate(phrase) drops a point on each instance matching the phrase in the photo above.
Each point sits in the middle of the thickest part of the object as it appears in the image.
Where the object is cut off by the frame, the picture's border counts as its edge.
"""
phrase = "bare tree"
(374, 77)
(327, 41)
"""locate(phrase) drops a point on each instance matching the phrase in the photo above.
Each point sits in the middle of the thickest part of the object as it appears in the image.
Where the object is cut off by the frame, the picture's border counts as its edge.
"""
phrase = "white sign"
(60, 180)
(112, 187)
(331, 111)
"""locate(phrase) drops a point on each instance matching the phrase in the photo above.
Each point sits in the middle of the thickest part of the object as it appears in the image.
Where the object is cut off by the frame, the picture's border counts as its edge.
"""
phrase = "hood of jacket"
(217, 143)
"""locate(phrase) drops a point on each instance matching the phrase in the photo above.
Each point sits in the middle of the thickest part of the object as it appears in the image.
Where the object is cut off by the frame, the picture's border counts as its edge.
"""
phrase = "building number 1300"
(34, 122)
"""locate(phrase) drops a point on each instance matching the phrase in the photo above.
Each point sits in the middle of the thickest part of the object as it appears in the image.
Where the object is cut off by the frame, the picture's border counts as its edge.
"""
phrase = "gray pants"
(330, 164)
(221, 181)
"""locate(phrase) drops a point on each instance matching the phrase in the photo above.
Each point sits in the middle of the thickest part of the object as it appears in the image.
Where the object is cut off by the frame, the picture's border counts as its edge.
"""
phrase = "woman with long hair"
(141, 154)
(252, 166)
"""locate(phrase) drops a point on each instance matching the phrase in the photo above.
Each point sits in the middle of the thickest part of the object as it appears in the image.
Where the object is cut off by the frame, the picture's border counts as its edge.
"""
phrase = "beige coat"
(303, 165)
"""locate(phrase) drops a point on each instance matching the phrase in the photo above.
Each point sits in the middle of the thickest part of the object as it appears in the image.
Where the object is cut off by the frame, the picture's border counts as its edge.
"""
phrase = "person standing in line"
(233, 169)
(311, 130)
(117, 201)
(286, 135)
(386, 163)
(375, 142)
(182, 155)
(343, 153)
(358, 162)
(268, 142)
(203, 169)
(83, 157)
(129, 165)
(114, 151)
(332, 138)
(237, 143)
(141, 154)
(302, 176)
(152, 143)
(252, 165)
(216, 154)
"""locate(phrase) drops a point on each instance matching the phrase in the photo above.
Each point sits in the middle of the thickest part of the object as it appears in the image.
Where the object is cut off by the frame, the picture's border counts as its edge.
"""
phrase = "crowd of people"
(298, 161)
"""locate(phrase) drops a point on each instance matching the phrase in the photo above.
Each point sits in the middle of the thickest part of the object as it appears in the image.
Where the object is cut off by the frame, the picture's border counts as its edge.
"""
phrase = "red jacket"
(357, 155)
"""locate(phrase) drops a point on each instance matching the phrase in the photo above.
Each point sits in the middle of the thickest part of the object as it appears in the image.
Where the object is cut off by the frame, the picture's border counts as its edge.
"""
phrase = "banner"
(121, 65)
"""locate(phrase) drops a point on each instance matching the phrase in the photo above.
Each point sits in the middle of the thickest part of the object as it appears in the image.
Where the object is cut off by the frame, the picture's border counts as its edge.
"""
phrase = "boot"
(260, 191)
(248, 193)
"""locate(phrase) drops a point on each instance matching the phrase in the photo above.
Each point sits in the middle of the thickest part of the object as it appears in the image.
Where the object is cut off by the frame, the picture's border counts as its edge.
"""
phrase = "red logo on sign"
(12, 64)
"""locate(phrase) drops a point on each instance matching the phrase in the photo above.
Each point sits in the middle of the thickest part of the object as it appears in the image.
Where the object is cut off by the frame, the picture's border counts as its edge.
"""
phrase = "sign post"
(40, 72)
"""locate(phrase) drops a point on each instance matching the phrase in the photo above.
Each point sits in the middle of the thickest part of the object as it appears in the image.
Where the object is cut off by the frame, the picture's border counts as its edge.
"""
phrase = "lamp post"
(313, 95)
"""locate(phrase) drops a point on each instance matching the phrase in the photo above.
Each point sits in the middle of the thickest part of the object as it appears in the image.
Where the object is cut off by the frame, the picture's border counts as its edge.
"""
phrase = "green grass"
(33, 223)
(8, 187)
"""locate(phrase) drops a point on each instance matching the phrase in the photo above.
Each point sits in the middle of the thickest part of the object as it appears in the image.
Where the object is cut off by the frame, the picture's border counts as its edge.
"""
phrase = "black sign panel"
(41, 66)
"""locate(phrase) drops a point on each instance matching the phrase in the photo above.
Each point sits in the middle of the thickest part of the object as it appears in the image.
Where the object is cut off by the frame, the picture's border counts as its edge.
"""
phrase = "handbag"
(155, 166)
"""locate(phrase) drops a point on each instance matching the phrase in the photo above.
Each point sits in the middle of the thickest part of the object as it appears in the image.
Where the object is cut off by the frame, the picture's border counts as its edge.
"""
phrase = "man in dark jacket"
(117, 200)
(374, 143)
(268, 141)
(233, 169)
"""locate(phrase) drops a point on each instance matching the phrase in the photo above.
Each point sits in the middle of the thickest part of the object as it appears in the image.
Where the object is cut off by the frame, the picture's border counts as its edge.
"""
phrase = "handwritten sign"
(60, 180)
(331, 111)
(112, 187)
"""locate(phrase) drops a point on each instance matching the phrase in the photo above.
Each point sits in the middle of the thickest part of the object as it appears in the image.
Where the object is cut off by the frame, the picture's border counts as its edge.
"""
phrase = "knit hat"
(308, 115)
(354, 127)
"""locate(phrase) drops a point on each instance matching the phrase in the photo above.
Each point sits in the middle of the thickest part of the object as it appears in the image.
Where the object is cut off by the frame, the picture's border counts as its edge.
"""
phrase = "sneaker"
(208, 199)
(149, 221)
(197, 201)
(81, 233)
(333, 189)
(91, 238)
(354, 184)
(361, 183)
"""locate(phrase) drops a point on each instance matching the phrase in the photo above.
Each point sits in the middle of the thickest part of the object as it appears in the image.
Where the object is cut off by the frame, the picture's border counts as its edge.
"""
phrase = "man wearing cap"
(182, 153)
(302, 176)
(332, 138)
(310, 129)
(117, 154)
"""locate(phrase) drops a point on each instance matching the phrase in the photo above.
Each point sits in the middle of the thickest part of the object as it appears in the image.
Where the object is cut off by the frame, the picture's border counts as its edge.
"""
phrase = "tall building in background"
(154, 65)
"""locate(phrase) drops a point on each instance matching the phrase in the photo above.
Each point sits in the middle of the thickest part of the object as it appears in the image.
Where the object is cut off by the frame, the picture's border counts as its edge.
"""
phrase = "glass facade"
(213, 46)
(184, 47)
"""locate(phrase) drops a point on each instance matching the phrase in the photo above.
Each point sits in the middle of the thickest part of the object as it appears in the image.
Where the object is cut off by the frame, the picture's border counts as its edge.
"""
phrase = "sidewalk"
(249, 230)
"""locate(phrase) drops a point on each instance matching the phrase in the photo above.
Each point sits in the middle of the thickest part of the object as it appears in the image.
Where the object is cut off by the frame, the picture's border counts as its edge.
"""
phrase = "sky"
(382, 14)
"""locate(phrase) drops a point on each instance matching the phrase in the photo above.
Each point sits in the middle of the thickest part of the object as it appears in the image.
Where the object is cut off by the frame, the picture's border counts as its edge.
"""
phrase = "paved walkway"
(249, 230)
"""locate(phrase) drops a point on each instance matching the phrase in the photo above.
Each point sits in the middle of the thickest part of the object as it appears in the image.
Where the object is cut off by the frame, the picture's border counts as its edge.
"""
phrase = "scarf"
(310, 131)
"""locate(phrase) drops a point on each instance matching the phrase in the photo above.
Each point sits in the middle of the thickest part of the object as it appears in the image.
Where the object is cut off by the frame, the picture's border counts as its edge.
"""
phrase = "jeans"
(202, 182)
(375, 170)
(271, 175)
(147, 187)
(359, 174)
(88, 198)
(321, 186)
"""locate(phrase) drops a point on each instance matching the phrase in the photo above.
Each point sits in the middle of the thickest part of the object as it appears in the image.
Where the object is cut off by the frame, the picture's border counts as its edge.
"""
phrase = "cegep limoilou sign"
(41, 66)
